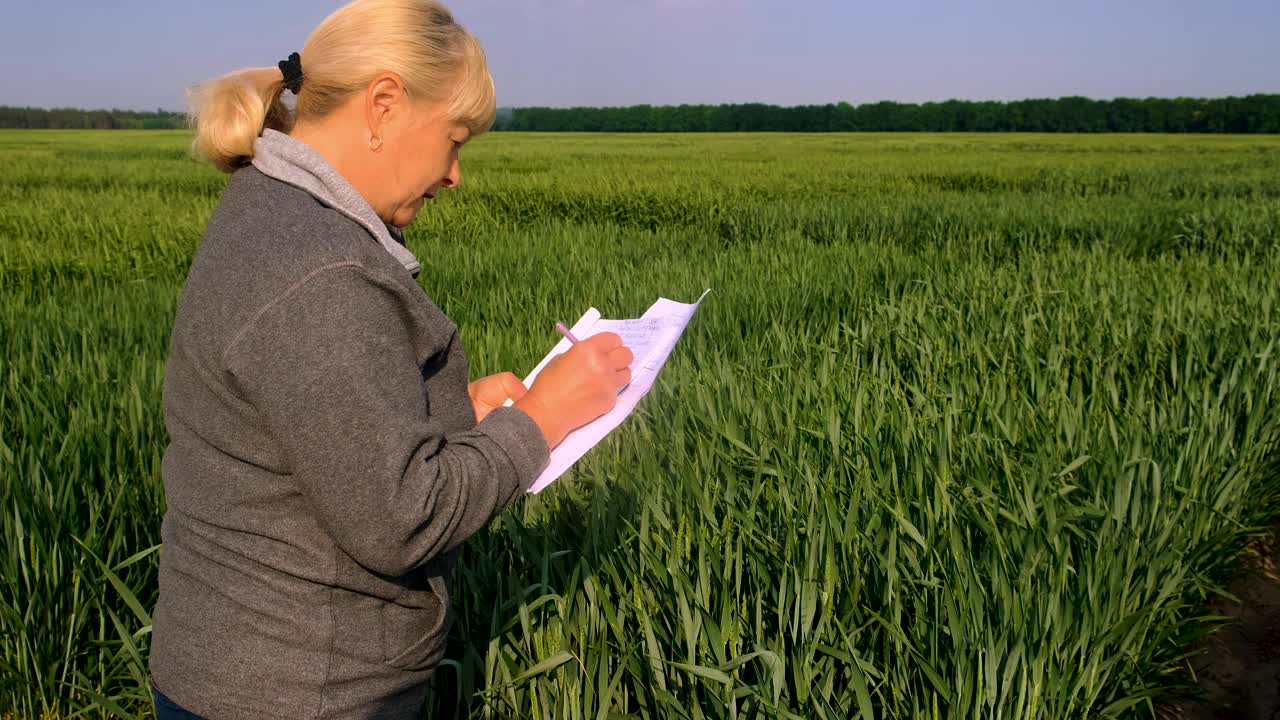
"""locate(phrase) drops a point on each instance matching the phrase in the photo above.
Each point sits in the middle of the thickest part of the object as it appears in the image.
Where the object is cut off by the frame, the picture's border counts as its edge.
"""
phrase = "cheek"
(405, 167)
(417, 171)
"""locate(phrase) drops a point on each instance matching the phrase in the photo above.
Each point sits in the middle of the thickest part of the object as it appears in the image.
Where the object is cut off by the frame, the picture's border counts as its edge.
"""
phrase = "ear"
(385, 100)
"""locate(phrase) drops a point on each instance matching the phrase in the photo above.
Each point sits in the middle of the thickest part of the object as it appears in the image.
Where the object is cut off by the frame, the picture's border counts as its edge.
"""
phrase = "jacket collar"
(294, 162)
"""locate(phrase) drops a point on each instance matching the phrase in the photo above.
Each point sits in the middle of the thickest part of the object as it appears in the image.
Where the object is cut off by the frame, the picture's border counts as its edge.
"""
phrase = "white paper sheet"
(651, 338)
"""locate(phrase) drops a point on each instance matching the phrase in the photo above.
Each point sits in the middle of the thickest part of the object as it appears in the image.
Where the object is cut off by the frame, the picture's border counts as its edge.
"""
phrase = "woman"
(327, 454)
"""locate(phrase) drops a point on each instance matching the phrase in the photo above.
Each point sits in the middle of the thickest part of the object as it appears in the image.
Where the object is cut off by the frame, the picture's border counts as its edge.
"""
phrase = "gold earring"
(377, 147)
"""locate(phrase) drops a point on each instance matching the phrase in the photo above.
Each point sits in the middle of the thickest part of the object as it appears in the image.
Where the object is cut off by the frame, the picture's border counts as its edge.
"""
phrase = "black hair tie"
(292, 69)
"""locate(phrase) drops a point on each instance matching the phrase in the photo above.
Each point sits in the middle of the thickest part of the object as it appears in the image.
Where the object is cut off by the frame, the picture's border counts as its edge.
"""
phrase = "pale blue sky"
(143, 54)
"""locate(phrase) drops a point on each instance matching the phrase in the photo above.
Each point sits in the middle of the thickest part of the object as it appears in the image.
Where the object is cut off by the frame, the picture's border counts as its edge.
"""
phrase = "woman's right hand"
(578, 386)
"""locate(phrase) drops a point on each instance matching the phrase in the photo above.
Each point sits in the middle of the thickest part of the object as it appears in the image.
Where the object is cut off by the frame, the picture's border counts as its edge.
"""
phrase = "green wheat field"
(970, 426)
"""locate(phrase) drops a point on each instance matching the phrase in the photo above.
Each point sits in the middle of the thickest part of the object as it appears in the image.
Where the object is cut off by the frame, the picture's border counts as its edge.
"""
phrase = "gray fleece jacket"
(324, 463)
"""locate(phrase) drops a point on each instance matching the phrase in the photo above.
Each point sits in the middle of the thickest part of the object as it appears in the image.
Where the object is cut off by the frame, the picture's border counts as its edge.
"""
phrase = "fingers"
(621, 357)
(623, 377)
(610, 351)
(605, 340)
(512, 386)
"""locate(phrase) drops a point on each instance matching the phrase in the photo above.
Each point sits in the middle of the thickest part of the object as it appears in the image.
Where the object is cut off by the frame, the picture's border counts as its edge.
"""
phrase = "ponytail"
(230, 112)
(417, 39)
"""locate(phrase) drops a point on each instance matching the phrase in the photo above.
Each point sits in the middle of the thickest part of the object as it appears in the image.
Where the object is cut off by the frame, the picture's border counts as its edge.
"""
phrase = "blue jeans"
(167, 709)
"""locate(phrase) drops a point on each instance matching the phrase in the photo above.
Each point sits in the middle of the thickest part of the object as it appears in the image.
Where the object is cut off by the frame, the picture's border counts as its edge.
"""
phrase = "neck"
(327, 139)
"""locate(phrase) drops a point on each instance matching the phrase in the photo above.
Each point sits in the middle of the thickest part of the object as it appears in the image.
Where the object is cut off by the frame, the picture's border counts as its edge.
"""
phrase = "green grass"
(969, 426)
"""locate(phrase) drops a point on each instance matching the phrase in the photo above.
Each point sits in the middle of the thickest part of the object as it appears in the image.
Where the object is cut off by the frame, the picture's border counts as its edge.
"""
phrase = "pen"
(565, 332)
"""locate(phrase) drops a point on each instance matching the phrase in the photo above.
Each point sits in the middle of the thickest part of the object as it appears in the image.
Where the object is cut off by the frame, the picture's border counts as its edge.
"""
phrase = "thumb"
(512, 386)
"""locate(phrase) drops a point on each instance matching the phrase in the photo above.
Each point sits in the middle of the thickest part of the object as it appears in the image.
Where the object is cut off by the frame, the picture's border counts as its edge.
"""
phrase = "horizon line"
(502, 108)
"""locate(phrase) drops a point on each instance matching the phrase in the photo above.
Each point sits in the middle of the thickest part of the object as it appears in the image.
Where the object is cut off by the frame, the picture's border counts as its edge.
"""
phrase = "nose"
(454, 177)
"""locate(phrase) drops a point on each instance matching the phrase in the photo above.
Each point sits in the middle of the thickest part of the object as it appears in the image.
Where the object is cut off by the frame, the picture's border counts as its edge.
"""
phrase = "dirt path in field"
(1240, 669)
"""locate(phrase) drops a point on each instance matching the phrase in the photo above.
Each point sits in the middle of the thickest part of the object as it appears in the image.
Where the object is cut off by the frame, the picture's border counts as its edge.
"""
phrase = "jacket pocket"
(415, 625)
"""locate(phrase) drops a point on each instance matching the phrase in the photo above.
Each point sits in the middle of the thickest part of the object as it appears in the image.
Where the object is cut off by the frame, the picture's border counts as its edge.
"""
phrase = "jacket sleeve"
(331, 367)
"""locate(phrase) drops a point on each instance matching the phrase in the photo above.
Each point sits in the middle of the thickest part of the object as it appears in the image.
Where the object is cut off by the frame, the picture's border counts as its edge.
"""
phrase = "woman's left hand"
(491, 392)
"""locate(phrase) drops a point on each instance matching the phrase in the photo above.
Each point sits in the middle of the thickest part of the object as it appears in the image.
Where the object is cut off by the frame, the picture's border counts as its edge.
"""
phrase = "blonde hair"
(435, 57)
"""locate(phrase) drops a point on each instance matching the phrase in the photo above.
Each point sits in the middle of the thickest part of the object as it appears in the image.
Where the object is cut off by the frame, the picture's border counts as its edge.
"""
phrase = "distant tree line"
(1249, 114)
(74, 119)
